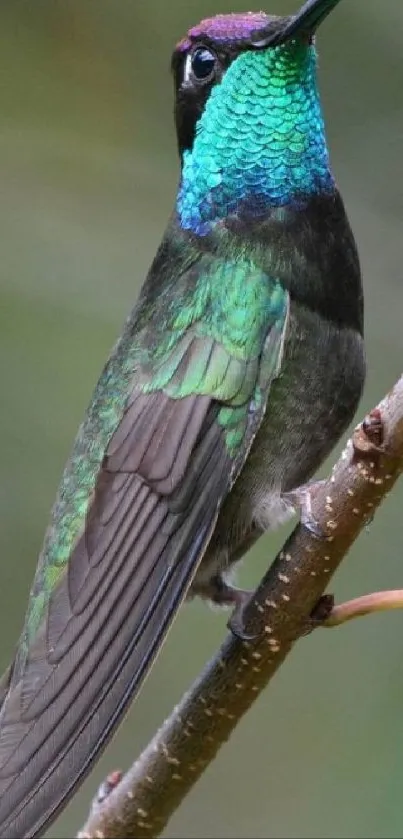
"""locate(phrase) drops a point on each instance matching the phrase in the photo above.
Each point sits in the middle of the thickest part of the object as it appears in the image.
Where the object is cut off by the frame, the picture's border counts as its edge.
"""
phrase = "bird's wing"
(121, 555)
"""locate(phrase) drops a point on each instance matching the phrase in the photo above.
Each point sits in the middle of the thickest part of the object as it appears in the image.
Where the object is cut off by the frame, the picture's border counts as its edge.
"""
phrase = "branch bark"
(145, 798)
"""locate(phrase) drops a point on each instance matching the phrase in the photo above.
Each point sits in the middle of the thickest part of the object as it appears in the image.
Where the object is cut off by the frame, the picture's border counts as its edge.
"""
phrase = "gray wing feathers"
(146, 530)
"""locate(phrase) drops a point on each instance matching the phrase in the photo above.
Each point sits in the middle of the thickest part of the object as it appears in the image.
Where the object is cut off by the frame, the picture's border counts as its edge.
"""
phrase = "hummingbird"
(238, 370)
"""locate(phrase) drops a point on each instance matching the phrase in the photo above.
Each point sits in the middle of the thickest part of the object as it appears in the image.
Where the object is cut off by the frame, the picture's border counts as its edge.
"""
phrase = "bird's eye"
(200, 65)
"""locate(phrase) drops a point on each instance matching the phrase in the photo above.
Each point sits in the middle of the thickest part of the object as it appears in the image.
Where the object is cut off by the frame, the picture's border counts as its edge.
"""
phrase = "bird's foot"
(301, 499)
(223, 594)
(218, 591)
(236, 623)
(320, 613)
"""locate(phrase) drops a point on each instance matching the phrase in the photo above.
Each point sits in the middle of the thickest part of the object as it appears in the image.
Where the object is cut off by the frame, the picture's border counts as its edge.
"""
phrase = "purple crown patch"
(226, 28)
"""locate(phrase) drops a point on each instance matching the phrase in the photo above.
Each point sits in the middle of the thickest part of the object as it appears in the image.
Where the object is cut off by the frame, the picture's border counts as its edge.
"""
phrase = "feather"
(182, 435)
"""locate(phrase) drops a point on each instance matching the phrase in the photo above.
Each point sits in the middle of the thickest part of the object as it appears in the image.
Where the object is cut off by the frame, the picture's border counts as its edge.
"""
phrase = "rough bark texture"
(150, 792)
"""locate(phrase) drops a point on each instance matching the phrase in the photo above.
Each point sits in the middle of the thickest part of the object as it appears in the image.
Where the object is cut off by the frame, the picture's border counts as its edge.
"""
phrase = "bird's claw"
(301, 499)
(236, 623)
(221, 593)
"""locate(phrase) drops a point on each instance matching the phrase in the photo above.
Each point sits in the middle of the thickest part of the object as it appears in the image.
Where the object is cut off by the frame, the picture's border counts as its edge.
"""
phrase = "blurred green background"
(88, 172)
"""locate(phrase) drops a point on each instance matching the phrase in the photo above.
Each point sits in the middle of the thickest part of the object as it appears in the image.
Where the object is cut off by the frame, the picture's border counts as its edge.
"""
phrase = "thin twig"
(278, 612)
(368, 604)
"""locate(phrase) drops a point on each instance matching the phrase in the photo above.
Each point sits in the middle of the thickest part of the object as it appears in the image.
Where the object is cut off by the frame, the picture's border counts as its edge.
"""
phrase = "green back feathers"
(209, 341)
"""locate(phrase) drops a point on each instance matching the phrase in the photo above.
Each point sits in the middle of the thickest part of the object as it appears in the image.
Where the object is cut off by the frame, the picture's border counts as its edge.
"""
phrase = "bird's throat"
(260, 143)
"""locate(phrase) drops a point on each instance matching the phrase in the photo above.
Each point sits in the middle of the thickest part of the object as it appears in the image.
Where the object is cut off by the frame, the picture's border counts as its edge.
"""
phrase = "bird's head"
(248, 117)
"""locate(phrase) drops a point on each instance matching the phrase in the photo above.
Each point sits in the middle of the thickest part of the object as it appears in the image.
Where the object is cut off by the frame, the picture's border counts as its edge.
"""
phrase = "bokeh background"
(88, 172)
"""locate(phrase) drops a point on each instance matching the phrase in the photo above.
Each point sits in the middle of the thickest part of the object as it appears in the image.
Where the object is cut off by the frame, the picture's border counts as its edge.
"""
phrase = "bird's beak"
(307, 20)
(304, 23)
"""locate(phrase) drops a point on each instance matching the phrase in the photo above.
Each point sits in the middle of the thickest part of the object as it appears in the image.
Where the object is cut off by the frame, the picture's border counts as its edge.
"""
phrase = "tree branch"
(143, 801)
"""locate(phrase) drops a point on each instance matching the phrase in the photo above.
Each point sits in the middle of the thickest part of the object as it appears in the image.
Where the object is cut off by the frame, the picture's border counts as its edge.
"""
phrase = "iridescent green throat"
(260, 142)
